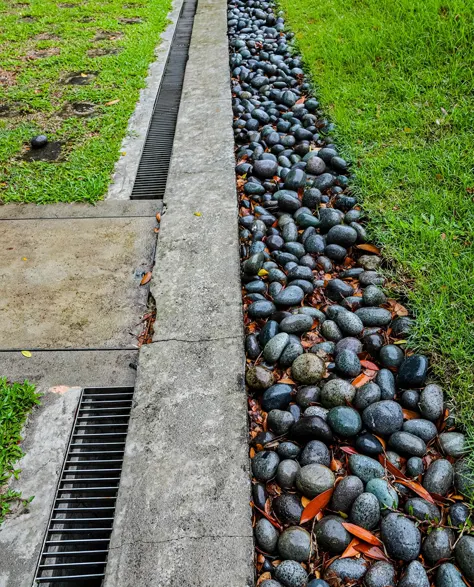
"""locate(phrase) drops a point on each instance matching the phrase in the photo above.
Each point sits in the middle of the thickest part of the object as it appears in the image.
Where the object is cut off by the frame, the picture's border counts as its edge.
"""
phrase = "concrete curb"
(126, 167)
(183, 515)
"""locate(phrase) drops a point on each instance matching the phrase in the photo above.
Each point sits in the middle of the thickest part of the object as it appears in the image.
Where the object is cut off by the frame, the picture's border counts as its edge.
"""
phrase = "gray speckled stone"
(365, 511)
(346, 570)
(447, 576)
(307, 395)
(464, 552)
(348, 364)
(294, 544)
(401, 537)
(407, 444)
(290, 296)
(317, 411)
(366, 395)
(387, 496)
(380, 574)
(286, 473)
(439, 477)
(296, 324)
(391, 355)
(437, 545)
(337, 392)
(275, 347)
(280, 421)
(366, 468)
(384, 417)
(331, 534)
(374, 316)
(386, 381)
(259, 378)
(265, 465)
(308, 369)
(270, 583)
(459, 513)
(349, 323)
(266, 535)
(331, 331)
(432, 402)
(415, 576)
(288, 508)
(453, 443)
(315, 452)
(424, 429)
(344, 421)
(313, 479)
(291, 574)
(345, 493)
(422, 509)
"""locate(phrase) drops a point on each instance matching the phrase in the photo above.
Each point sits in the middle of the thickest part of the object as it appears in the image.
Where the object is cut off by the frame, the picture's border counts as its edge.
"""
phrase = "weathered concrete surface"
(22, 533)
(127, 165)
(183, 515)
(73, 283)
(71, 368)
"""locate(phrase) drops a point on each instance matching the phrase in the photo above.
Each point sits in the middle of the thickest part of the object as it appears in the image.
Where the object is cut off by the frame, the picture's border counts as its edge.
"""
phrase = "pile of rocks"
(358, 473)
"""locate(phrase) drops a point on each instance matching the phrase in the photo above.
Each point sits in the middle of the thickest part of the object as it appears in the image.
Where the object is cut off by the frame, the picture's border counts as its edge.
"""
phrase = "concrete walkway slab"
(73, 283)
(22, 533)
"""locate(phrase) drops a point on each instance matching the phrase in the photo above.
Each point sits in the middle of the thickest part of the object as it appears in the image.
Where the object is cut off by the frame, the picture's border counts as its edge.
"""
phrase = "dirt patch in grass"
(80, 109)
(108, 36)
(103, 52)
(42, 53)
(132, 20)
(50, 152)
(7, 78)
(47, 37)
(81, 78)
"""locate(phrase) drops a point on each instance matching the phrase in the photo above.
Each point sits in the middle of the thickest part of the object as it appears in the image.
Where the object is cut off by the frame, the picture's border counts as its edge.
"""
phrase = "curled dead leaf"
(146, 278)
(316, 506)
(362, 533)
(369, 248)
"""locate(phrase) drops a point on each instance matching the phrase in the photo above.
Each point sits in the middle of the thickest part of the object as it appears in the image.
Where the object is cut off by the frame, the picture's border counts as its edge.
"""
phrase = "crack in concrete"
(218, 338)
(214, 537)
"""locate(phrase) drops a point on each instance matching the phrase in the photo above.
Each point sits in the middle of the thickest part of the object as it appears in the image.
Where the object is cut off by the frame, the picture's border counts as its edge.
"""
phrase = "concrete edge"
(125, 170)
(46, 438)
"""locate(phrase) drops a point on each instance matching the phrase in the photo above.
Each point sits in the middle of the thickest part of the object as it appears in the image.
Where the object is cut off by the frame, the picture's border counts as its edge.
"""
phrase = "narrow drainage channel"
(76, 544)
(357, 466)
(152, 174)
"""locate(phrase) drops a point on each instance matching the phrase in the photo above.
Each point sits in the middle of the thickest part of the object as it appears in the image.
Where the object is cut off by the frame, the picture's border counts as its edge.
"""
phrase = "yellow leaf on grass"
(112, 102)
(26, 354)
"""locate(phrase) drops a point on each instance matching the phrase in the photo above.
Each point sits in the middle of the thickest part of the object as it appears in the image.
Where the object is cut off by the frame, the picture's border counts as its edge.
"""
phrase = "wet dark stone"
(280, 421)
(290, 296)
(424, 429)
(313, 479)
(374, 316)
(413, 371)
(307, 395)
(295, 544)
(415, 467)
(365, 511)
(373, 296)
(331, 535)
(276, 397)
(311, 428)
(438, 545)
(318, 583)
(331, 331)
(439, 477)
(407, 444)
(464, 553)
(453, 444)
(346, 570)
(349, 323)
(342, 235)
(324, 181)
(432, 402)
(415, 576)
(401, 537)
(372, 343)
(252, 348)
(371, 278)
(348, 364)
(344, 421)
(39, 141)
(315, 452)
(266, 535)
(345, 493)
(262, 309)
(291, 574)
(335, 253)
(365, 467)
(410, 399)
(275, 347)
(446, 576)
(295, 179)
(308, 369)
(368, 444)
(262, 439)
(349, 343)
(336, 289)
(384, 417)
(459, 513)
(366, 395)
(286, 473)
(296, 324)
(401, 327)
(288, 450)
(265, 465)
(259, 494)
(391, 355)
(288, 508)
(265, 168)
(380, 574)
(329, 217)
(384, 492)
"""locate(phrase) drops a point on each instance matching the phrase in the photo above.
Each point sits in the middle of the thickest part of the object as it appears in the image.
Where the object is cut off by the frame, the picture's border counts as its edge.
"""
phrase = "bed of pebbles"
(358, 470)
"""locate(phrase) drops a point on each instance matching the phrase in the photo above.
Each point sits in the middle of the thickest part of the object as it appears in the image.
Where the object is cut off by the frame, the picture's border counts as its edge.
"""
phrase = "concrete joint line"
(202, 537)
(237, 337)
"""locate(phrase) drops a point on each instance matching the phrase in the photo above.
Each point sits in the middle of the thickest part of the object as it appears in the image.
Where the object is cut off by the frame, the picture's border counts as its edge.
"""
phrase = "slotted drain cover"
(77, 540)
(150, 182)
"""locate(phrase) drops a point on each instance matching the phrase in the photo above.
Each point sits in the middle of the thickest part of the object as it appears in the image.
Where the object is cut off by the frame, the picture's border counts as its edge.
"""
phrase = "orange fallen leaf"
(301, 100)
(397, 308)
(360, 380)
(112, 102)
(362, 533)
(410, 414)
(418, 489)
(316, 505)
(252, 452)
(264, 577)
(349, 450)
(269, 518)
(369, 365)
(350, 550)
(158, 217)
(371, 552)
(370, 248)
(304, 501)
(287, 380)
(146, 278)
(382, 441)
(391, 467)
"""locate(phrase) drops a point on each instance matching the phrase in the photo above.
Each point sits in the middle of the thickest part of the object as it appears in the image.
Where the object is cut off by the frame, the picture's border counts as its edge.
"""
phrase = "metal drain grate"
(152, 174)
(77, 540)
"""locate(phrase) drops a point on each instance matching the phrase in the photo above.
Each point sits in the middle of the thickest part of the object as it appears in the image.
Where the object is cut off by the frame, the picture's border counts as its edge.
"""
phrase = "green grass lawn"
(16, 402)
(42, 44)
(397, 78)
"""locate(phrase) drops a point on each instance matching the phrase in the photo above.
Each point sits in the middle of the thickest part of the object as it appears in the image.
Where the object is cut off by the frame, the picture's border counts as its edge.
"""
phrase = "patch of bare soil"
(132, 20)
(81, 78)
(103, 52)
(42, 53)
(7, 78)
(46, 37)
(80, 109)
(107, 36)
(50, 152)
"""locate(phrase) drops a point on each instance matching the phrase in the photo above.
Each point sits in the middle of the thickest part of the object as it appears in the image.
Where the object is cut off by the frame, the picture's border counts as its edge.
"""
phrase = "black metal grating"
(152, 174)
(76, 544)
